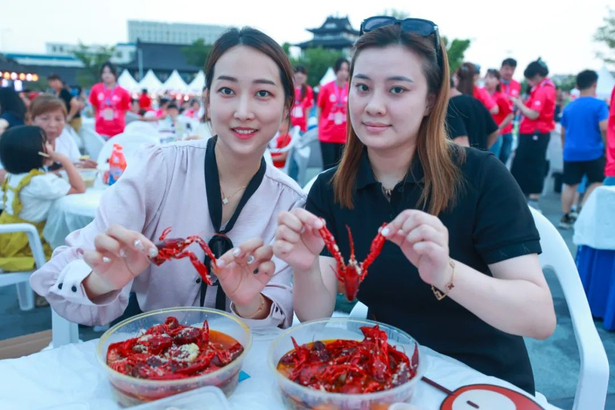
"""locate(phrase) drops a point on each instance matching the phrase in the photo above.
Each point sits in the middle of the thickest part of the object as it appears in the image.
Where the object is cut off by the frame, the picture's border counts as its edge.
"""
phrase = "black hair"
(20, 147)
(301, 69)
(586, 78)
(172, 105)
(11, 102)
(511, 62)
(338, 64)
(111, 67)
(537, 67)
(52, 77)
(144, 90)
(495, 73)
(133, 100)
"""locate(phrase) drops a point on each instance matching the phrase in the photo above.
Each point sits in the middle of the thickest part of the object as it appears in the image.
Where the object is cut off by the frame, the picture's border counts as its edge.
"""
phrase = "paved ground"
(555, 361)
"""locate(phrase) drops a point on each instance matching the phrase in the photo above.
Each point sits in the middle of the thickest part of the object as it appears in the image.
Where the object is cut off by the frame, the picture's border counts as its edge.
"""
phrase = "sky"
(560, 32)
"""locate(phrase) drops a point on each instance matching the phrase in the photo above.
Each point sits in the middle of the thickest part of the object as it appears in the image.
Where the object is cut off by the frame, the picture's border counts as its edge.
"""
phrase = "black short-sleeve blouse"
(490, 222)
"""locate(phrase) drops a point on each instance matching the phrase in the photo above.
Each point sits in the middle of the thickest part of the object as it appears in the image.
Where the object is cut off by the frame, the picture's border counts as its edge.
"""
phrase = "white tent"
(606, 82)
(126, 81)
(175, 83)
(328, 77)
(151, 82)
(196, 86)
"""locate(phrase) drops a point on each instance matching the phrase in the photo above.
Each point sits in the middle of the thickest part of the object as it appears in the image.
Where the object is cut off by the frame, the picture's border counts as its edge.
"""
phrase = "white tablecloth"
(70, 378)
(70, 213)
(596, 224)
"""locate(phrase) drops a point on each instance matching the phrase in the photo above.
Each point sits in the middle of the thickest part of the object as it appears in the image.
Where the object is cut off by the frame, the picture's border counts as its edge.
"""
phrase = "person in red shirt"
(331, 114)
(110, 102)
(510, 88)
(504, 116)
(530, 163)
(466, 84)
(609, 170)
(145, 103)
(304, 99)
(281, 140)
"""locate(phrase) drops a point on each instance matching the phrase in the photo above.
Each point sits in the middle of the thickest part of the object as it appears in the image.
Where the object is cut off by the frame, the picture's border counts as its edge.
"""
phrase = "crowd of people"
(404, 142)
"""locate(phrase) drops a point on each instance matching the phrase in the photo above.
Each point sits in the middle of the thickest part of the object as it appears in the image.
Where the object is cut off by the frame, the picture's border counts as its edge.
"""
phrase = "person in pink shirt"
(331, 114)
(510, 88)
(234, 205)
(609, 170)
(110, 102)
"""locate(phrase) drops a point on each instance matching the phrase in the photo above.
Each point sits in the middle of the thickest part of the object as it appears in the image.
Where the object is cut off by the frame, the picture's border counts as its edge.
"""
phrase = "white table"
(70, 213)
(70, 378)
(596, 224)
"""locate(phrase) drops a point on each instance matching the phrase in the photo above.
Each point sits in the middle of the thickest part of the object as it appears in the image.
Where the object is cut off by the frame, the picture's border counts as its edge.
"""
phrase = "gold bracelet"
(257, 310)
(439, 295)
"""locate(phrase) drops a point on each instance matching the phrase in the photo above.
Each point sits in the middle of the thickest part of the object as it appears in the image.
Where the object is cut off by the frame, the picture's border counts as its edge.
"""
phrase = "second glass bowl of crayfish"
(168, 351)
(344, 363)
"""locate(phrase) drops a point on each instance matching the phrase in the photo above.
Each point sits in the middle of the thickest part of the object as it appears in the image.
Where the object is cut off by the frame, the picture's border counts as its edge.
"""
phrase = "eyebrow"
(393, 78)
(234, 80)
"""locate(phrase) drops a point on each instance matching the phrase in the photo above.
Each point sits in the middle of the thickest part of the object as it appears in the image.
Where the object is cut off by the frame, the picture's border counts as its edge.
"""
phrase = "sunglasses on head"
(416, 26)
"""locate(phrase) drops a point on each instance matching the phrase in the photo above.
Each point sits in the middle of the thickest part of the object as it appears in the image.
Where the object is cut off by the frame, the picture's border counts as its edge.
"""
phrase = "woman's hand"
(297, 241)
(424, 240)
(120, 255)
(244, 271)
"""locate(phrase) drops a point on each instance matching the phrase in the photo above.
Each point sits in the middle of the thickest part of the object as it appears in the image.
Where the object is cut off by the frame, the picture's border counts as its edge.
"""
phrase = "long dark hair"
(496, 74)
(20, 147)
(301, 69)
(257, 40)
(442, 177)
(11, 102)
(111, 67)
(465, 78)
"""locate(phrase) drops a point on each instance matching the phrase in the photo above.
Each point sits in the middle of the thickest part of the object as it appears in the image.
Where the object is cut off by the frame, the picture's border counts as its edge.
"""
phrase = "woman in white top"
(220, 189)
(49, 113)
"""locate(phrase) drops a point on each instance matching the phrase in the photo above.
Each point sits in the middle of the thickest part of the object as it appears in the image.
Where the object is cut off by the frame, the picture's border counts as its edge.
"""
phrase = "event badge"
(298, 112)
(107, 114)
(339, 118)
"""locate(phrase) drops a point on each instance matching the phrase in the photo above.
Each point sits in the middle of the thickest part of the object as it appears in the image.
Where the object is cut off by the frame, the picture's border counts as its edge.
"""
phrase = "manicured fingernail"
(302, 229)
(385, 232)
(106, 260)
(221, 263)
(255, 271)
(153, 252)
(138, 245)
(251, 259)
(319, 223)
(123, 253)
(236, 252)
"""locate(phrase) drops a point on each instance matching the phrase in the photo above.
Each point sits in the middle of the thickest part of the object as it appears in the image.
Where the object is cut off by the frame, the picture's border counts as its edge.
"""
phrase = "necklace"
(225, 198)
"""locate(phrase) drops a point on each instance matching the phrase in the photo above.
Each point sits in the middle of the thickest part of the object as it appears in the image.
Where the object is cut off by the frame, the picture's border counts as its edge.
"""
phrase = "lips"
(375, 127)
(243, 132)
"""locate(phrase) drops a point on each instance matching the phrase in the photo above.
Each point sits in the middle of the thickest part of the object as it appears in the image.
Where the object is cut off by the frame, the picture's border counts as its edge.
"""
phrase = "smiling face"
(388, 97)
(246, 106)
(52, 122)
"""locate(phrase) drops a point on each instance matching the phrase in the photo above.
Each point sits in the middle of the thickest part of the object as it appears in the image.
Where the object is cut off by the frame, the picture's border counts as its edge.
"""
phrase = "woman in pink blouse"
(221, 185)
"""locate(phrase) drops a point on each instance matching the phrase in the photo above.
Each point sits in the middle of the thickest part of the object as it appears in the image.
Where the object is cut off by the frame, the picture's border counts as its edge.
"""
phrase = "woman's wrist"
(95, 286)
(258, 308)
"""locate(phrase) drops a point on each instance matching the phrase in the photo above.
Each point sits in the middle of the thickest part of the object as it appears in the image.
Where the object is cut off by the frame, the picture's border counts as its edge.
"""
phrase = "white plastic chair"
(141, 127)
(131, 144)
(92, 142)
(594, 375)
(78, 138)
(63, 332)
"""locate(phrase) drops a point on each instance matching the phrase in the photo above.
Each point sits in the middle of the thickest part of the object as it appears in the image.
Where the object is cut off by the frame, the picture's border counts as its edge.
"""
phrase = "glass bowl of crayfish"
(345, 363)
(168, 351)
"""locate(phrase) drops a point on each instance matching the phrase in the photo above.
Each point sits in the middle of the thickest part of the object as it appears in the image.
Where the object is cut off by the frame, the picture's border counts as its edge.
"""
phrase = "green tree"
(317, 61)
(567, 83)
(92, 59)
(455, 51)
(606, 35)
(286, 47)
(197, 53)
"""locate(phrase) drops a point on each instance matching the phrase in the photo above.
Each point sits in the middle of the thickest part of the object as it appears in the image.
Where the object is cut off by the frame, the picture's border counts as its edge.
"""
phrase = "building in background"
(336, 33)
(172, 33)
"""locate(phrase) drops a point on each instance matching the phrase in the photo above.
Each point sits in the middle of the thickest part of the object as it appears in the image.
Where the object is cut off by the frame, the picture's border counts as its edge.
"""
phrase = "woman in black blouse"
(458, 224)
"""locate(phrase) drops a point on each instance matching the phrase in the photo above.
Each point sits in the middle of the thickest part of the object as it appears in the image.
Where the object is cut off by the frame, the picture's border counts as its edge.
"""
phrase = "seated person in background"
(161, 112)
(144, 101)
(28, 191)
(281, 140)
(134, 112)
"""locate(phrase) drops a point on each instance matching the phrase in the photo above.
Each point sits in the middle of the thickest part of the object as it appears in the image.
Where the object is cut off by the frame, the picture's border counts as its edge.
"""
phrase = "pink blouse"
(165, 187)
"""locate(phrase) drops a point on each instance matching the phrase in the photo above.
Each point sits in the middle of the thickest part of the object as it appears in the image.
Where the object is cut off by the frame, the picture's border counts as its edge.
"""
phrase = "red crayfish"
(350, 366)
(173, 351)
(174, 248)
(352, 274)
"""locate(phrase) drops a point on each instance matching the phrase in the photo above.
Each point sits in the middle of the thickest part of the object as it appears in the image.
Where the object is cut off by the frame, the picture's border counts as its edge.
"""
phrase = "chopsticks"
(445, 390)
(42, 154)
